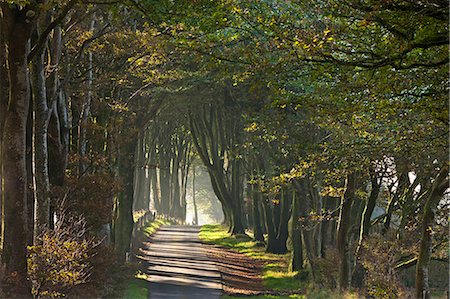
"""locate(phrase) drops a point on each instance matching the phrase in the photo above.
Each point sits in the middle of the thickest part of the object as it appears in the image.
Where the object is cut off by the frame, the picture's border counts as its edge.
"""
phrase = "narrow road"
(178, 266)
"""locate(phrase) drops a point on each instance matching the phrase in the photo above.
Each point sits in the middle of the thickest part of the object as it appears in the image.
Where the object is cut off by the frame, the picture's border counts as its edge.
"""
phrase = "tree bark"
(370, 206)
(440, 185)
(296, 263)
(343, 229)
(84, 117)
(40, 146)
(14, 149)
(358, 272)
(257, 227)
(194, 202)
(4, 99)
(123, 225)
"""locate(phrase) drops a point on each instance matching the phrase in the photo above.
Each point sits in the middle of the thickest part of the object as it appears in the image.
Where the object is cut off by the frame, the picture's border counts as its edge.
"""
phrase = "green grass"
(153, 226)
(275, 272)
(136, 289)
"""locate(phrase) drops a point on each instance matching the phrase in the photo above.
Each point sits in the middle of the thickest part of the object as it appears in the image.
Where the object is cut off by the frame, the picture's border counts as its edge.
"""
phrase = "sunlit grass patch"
(136, 289)
(277, 277)
(153, 226)
(275, 271)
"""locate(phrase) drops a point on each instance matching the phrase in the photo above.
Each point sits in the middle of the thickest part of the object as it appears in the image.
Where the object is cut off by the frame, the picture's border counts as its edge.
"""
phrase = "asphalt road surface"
(178, 266)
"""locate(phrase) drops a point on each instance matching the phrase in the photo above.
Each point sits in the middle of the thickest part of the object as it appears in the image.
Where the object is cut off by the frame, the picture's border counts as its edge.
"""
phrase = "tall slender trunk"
(343, 229)
(58, 126)
(283, 227)
(194, 202)
(40, 146)
(358, 272)
(84, 117)
(296, 263)
(30, 177)
(270, 226)
(123, 225)
(153, 174)
(370, 206)
(403, 180)
(257, 227)
(4, 98)
(317, 234)
(326, 227)
(164, 181)
(139, 174)
(440, 185)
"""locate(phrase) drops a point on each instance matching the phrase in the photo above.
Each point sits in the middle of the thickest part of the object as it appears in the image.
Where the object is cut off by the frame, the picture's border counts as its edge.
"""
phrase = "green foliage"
(20, 3)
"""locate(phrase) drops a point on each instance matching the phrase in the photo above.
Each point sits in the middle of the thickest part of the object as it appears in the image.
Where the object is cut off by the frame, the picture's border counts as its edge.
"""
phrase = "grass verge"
(276, 276)
(275, 271)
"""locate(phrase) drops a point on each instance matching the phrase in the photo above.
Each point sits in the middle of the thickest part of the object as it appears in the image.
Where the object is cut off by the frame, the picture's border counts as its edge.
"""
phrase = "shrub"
(327, 272)
(379, 256)
(60, 259)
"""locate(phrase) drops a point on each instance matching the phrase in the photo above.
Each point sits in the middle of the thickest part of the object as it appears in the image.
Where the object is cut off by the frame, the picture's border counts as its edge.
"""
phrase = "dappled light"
(206, 149)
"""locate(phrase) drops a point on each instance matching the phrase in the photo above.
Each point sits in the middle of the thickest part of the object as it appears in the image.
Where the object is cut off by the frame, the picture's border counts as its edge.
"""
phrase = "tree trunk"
(283, 225)
(123, 225)
(30, 177)
(195, 221)
(358, 272)
(257, 227)
(84, 117)
(4, 98)
(14, 150)
(296, 263)
(154, 181)
(343, 229)
(270, 227)
(403, 181)
(164, 182)
(440, 185)
(370, 206)
(40, 146)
